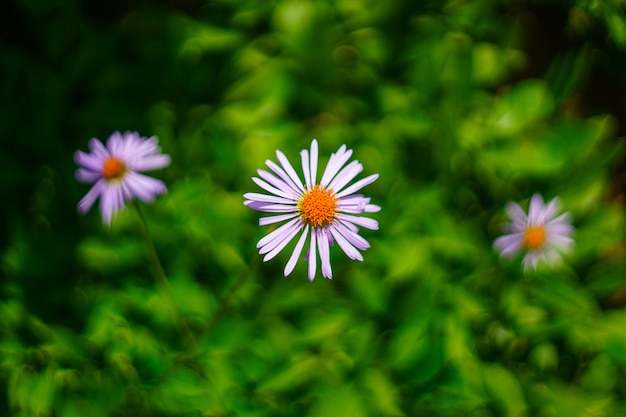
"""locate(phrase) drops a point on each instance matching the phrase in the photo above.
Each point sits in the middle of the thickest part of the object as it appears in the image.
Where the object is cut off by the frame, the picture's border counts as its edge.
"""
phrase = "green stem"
(226, 299)
(163, 284)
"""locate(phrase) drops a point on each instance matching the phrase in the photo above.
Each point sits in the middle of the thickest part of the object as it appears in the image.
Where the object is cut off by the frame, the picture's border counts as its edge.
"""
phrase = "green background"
(460, 106)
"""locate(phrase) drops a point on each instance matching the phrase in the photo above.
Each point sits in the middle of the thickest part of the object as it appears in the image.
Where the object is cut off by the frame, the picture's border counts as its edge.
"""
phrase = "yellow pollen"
(534, 237)
(113, 169)
(317, 206)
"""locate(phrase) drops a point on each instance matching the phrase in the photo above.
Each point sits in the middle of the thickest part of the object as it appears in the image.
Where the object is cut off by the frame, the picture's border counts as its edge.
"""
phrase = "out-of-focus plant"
(454, 103)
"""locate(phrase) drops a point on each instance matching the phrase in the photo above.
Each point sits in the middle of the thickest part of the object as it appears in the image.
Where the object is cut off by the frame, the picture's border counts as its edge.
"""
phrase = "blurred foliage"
(460, 106)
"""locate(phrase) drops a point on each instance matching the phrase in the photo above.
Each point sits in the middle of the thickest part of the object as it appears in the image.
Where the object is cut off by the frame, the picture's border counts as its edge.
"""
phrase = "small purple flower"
(115, 171)
(326, 210)
(541, 234)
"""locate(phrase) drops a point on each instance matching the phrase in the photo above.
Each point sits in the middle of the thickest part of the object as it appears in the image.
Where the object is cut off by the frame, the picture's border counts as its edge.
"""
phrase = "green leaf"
(505, 388)
(339, 401)
(545, 356)
(521, 107)
(184, 391)
(300, 370)
(383, 395)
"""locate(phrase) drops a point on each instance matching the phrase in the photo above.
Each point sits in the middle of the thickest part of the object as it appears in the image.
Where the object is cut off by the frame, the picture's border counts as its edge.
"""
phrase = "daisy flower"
(115, 168)
(541, 234)
(327, 210)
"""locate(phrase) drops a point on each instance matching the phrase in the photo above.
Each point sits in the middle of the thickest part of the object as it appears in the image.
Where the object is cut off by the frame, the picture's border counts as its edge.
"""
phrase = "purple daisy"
(541, 234)
(326, 210)
(114, 170)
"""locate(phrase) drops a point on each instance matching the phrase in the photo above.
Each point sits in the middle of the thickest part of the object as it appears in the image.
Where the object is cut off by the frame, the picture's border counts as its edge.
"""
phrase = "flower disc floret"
(325, 212)
(534, 237)
(317, 207)
(113, 169)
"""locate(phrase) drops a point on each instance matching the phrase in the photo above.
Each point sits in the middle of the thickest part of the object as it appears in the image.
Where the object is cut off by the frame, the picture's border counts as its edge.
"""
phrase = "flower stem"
(228, 297)
(163, 284)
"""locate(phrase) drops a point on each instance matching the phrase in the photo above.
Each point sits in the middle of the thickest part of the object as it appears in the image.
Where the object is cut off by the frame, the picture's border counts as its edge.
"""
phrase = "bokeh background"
(460, 106)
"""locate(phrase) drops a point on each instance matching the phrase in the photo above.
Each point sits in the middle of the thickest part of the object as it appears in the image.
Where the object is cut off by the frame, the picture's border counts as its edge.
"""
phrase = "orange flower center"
(534, 237)
(317, 206)
(113, 169)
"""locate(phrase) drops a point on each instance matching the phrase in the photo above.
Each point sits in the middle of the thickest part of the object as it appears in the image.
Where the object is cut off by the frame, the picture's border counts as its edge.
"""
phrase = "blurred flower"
(541, 234)
(326, 209)
(114, 170)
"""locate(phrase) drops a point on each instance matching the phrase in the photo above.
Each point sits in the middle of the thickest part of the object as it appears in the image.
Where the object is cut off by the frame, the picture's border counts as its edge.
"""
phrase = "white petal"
(358, 185)
(283, 176)
(354, 206)
(312, 257)
(351, 227)
(535, 209)
(87, 201)
(563, 219)
(279, 184)
(322, 244)
(267, 198)
(150, 162)
(111, 200)
(516, 214)
(314, 156)
(561, 242)
(549, 211)
(143, 187)
(92, 162)
(531, 259)
(98, 149)
(560, 229)
(293, 260)
(264, 221)
(270, 208)
(275, 233)
(126, 191)
(361, 221)
(114, 144)
(287, 238)
(289, 169)
(137, 147)
(280, 238)
(355, 203)
(345, 176)
(334, 165)
(358, 241)
(304, 154)
(87, 176)
(347, 248)
(508, 245)
(272, 190)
